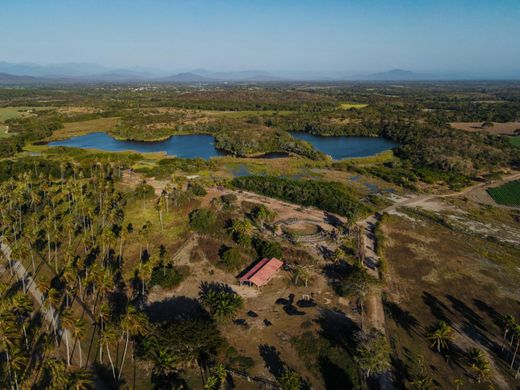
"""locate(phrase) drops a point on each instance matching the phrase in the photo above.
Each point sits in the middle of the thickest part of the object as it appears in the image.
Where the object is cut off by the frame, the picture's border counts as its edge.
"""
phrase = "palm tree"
(78, 330)
(439, 335)
(372, 352)
(133, 324)
(338, 255)
(458, 382)
(301, 272)
(80, 380)
(8, 337)
(509, 324)
(67, 320)
(516, 332)
(107, 336)
(479, 364)
(164, 364)
(241, 226)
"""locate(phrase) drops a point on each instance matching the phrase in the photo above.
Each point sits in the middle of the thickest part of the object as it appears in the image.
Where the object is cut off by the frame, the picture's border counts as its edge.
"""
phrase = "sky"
(272, 35)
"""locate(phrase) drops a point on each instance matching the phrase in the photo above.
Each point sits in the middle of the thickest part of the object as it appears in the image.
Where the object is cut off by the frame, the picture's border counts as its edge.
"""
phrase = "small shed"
(262, 272)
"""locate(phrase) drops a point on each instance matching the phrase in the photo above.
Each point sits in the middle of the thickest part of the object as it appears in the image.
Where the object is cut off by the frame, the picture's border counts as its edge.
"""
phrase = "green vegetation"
(203, 220)
(247, 141)
(103, 233)
(167, 276)
(515, 141)
(330, 357)
(7, 113)
(507, 194)
(232, 259)
(349, 106)
(221, 302)
(328, 196)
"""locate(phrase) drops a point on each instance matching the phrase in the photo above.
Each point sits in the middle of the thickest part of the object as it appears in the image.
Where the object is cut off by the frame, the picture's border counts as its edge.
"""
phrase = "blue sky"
(304, 35)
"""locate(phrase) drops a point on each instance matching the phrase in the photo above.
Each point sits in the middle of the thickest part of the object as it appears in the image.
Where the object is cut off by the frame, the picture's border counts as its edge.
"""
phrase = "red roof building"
(262, 272)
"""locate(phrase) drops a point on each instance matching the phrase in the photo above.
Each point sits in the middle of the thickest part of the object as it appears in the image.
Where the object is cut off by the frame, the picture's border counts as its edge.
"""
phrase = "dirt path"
(49, 313)
(375, 315)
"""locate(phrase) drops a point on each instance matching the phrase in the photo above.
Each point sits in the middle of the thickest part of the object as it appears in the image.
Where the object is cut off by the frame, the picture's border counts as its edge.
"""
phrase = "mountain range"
(31, 73)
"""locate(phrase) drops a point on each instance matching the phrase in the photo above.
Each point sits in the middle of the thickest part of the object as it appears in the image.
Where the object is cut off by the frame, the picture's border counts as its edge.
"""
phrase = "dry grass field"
(436, 273)
(497, 128)
(74, 129)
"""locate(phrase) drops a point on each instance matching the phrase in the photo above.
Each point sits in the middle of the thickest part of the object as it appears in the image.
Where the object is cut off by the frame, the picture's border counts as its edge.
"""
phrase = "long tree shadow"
(335, 377)
(437, 307)
(272, 359)
(495, 316)
(337, 328)
(472, 324)
(176, 309)
(473, 318)
(401, 317)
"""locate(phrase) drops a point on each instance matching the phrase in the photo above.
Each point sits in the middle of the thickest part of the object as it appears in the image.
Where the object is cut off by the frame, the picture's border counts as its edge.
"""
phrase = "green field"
(508, 194)
(17, 112)
(348, 106)
(515, 141)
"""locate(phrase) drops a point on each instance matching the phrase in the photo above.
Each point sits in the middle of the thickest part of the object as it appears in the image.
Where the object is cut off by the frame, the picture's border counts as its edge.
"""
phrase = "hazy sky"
(324, 35)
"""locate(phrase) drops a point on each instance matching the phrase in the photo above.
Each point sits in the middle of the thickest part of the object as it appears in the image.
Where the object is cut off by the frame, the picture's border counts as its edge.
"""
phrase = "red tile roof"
(262, 272)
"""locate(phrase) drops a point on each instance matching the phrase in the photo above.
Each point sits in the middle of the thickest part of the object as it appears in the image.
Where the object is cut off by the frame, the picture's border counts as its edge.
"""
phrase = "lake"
(186, 146)
(343, 147)
(203, 146)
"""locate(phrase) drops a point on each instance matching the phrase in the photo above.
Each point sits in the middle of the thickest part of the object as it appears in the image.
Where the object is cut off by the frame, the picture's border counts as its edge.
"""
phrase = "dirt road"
(48, 312)
(375, 315)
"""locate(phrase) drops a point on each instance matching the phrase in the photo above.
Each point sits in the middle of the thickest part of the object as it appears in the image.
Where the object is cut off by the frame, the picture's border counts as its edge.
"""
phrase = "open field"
(437, 274)
(348, 106)
(507, 194)
(18, 112)
(74, 129)
(497, 128)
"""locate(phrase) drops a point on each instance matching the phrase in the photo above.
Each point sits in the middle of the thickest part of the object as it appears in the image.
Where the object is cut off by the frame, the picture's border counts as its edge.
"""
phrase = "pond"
(185, 146)
(345, 147)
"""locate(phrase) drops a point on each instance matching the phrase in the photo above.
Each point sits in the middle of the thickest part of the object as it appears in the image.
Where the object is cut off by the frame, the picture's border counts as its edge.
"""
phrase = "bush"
(168, 276)
(197, 189)
(232, 259)
(268, 249)
(203, 220)
(229, 198)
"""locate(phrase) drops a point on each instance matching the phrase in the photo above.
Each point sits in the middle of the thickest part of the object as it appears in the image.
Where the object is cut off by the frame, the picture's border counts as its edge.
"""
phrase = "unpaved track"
(374, 302)
(50, 315)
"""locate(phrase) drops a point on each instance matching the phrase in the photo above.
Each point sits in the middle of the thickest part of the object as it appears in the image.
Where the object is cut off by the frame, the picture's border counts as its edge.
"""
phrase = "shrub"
(168, 276)
(268, 249)
(229, 198)
(197, 189)
(203, 220)
(232, 259)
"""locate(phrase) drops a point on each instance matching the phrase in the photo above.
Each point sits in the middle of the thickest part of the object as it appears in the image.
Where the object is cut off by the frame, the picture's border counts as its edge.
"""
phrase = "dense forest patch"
(329, 196)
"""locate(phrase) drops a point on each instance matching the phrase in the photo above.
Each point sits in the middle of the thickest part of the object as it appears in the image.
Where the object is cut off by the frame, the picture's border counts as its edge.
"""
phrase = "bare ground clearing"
(497, 128)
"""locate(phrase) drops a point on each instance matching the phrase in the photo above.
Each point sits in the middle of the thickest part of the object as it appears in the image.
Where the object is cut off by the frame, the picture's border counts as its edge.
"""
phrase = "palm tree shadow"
(401, 317)
(272, 359)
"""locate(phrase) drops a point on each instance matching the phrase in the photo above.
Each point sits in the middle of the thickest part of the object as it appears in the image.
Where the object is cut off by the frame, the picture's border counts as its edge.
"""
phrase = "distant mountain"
(186, 77)
(72, 69)
(84, 72)
(246, 75)
(9, 79)
(394, 75)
